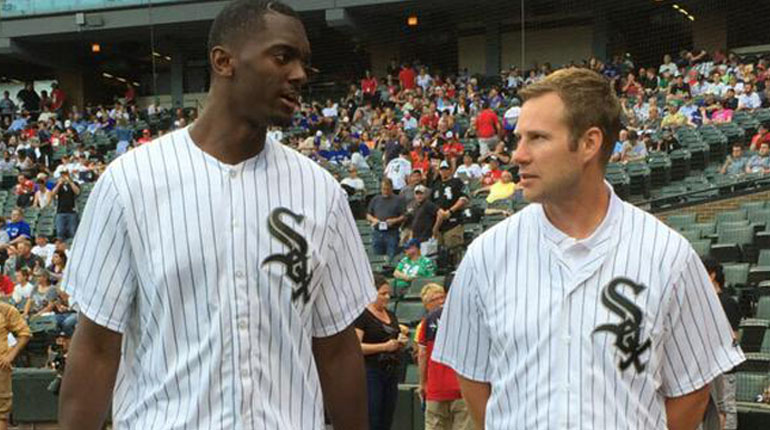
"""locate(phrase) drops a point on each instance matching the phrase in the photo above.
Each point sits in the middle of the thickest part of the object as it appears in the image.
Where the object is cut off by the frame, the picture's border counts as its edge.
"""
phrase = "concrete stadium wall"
(557, 46)
(706, 212)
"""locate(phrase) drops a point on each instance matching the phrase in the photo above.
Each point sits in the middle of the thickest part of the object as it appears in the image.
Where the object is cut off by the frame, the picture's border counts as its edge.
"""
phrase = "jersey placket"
(240, 320)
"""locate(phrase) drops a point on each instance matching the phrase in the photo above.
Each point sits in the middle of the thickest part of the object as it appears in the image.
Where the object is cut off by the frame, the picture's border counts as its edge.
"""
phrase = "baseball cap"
(443, 165)
(412, 242)
(493, 158)
(421, 189)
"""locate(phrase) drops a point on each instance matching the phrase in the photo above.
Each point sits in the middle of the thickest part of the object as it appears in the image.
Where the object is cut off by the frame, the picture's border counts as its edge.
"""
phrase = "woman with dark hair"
(381, 342)
(58, 263)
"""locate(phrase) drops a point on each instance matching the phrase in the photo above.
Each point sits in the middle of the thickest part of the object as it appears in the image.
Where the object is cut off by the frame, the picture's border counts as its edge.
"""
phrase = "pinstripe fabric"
(172, 253)
(526, 317)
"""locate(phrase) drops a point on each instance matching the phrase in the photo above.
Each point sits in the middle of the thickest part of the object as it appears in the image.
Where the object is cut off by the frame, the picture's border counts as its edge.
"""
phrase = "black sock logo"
(296, 260)
(627, 332)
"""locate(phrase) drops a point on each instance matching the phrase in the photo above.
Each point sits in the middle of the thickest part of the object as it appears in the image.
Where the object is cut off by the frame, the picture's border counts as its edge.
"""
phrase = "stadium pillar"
(177, 80)
(72, 82)
(493, 48)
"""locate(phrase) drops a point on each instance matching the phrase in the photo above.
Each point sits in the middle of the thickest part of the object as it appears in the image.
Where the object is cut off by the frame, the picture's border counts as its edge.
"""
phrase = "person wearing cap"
(450, 196)
(414, 265)
(469, 169)
(452, 149)
(11, 322)
(421, 215)
(492, 172)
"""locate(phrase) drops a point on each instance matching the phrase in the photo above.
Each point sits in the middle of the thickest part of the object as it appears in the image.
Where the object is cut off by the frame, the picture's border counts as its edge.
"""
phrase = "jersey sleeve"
(346, 285)
(100, 276)
(698, 343)
(463, 340)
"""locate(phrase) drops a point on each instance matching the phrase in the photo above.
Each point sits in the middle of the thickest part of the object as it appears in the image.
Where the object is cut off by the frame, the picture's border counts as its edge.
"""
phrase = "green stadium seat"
(763, 308)
(731, 242)
(412, 374)
(415, 288)
(735, 274)
(410, 312)
(692, 235)
(701, 247)
(752, 333)
(32, 401)
(750, 385)
(764, 258)
(737, 215)
(680, 220)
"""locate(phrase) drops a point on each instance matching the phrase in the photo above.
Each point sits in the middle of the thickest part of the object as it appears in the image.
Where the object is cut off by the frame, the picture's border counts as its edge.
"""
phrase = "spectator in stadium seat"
(674, 118)
(421, 216)
(730, 101)
(723, 401)
(385, 214)
(10, 322)
(445, 408)
(406, 77)
(749, 100)
(760, 163)
(66, 191)
(25, 259)
(668, 66)
(24, 191)
(44, 250)
(17, 229)
(450, 197)
(679, 88)
(762, 135)
(722, 113)
(469, 170)
(412, 266)
(7, 107)
(492, 171)
(735, 163)
(43, 297)
(424, 80)
(398, 170)
(488, 128)
(409, 122)
(407, 193)
(382, 338)
(30, 100)
(58, 263)
(23, 289)
(58, 97)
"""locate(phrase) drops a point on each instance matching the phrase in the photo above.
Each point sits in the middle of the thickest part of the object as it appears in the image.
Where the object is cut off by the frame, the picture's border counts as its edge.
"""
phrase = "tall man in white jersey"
(581, 311)
(216, 271)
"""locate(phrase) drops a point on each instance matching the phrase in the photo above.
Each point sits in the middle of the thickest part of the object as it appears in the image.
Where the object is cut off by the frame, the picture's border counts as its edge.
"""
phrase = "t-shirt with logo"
(422, 268)
(445, 194)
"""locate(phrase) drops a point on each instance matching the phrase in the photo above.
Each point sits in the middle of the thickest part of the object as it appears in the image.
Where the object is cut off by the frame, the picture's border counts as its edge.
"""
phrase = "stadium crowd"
(420, 154)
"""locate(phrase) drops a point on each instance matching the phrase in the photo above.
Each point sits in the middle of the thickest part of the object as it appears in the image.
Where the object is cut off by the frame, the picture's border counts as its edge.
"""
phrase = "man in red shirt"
(452, 149)
(57, 98)
(488, 129)
(407, 77)
(369, 86)
(429, 118)
(444, 405)
(762, 136)
(494, 173)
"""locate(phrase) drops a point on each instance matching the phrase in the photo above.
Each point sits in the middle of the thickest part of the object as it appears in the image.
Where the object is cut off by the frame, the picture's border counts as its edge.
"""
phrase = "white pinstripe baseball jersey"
(588, 334)
(218, 276)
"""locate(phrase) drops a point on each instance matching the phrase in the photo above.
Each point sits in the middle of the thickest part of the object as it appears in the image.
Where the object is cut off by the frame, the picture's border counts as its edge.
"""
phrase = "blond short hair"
(430, 290)
(589, 101)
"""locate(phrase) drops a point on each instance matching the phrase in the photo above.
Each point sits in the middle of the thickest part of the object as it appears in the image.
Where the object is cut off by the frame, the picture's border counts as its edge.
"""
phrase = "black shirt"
(445, 195)
(66, 199)
(731, 103)
(29, 99)
(376, 331)
(732, 310)
(684, 88)
(423, 219)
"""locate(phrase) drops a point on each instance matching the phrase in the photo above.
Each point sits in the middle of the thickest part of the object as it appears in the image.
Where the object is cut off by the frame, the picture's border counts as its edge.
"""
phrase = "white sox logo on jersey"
(627, 332)
(296, 260)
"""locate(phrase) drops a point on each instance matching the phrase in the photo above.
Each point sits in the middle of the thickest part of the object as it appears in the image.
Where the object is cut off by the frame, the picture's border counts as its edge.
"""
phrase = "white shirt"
(181, 254)
(750, 101)
(472, 171)
(535, 314)
(670, 67)
(358, 160)
(22, 292)
(398, 169)
(330, 112)
(512, 114)
(354, 183)
(45, 252)
(424, 81)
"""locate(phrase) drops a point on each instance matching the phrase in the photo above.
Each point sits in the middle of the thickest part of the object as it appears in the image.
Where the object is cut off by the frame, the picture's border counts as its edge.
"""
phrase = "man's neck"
(581, 212)
(225, 136)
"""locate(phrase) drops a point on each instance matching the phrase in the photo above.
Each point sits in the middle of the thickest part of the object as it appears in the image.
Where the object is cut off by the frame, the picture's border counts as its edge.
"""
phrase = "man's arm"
(686, 412)
(340, 366)
(89, 377)
(476, 395)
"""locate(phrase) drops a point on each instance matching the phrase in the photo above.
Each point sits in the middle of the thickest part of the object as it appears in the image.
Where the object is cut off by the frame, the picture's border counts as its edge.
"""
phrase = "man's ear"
(222, 61)
(591, 143)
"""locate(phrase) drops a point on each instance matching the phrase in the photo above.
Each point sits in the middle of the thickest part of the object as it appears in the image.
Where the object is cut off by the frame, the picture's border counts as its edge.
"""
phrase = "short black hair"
(241, 17)
(713, 266)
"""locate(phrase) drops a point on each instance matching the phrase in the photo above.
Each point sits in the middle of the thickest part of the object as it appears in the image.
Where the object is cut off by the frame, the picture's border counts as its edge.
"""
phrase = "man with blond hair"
(581, 311)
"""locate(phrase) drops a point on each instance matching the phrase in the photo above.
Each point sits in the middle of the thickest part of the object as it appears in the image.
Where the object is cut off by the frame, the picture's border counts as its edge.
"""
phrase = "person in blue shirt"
(18, 229)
